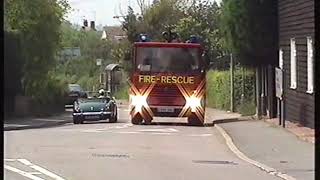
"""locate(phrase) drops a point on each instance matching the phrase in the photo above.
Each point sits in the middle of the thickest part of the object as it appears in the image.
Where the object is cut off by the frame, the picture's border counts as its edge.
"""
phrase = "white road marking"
(9, 160)
(242, 156)
(161, 133)
(49, 120)
(105, 129)
(40, 169)
(8, 125)
(23, 173)
(129, 132)
(159, 130)
(201, 135)
(25, 162)
(92, 130)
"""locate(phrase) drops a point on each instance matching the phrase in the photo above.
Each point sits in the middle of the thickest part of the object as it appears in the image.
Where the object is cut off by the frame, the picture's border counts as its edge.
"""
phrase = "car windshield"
(74, 88)
(94, 99)
(180, 60)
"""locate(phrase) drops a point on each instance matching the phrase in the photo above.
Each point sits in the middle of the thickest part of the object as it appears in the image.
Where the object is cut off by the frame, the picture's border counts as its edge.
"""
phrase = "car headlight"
(76, 107)
(138, 102)
(193, 102)
(107, 108)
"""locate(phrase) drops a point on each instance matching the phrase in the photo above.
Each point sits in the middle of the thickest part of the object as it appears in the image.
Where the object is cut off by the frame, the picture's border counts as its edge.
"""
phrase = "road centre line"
(40, 169)
(23, 173)
(242, 156)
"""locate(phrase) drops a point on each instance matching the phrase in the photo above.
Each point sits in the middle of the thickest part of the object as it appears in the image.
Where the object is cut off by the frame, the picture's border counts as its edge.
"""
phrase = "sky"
(100, 11)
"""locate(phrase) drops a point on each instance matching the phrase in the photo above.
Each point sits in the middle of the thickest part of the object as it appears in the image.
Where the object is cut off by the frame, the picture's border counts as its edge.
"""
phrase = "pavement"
(288, 150)
(303, 133)
(20, 123)
(277, 153)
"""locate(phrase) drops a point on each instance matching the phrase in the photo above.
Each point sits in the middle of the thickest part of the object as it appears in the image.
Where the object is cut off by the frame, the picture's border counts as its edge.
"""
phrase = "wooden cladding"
(297, 25)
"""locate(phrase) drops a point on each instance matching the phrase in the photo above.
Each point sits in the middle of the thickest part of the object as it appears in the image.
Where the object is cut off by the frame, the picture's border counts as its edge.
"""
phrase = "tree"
(154, 20)
(249, 29)
(202, 21)
(83, 70)
(38, 24)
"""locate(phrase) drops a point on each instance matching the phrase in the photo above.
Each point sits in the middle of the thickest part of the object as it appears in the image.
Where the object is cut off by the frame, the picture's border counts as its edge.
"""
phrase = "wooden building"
(296, 58)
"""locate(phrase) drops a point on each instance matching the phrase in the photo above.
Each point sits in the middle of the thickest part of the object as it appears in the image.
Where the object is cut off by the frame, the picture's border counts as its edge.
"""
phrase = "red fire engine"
(168, 80)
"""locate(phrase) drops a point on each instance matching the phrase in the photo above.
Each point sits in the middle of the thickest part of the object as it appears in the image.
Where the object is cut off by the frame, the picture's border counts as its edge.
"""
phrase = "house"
(114, 33)
(296, 58)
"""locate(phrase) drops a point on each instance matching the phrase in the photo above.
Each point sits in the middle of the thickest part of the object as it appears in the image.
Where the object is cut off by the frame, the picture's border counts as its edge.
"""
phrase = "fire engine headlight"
(193, 103)
(138, 101)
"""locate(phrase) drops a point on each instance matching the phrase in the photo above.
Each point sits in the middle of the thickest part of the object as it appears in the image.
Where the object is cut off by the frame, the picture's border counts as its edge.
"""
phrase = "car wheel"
(76, 120)
(114, 118)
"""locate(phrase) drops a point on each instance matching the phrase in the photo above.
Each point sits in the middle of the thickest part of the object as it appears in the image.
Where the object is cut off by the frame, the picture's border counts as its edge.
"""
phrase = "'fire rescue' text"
(166, 79)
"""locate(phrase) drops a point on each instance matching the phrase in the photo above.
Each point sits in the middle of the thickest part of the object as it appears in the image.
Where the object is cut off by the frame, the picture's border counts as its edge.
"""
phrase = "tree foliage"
(249, 29)
(38, 24)
(202, 21)
(154, 20)
(186, 17)
(83, 70)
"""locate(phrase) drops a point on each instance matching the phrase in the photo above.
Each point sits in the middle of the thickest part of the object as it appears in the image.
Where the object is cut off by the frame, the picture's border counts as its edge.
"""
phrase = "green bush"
(123, 93)
(48, 95)
(218, 90)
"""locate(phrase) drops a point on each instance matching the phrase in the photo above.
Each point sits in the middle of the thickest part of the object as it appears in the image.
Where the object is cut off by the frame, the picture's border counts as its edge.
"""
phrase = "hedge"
(218, 90)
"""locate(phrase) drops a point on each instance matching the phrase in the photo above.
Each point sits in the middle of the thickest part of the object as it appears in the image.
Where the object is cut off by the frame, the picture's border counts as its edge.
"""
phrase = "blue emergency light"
(193, 39)
(143, 38)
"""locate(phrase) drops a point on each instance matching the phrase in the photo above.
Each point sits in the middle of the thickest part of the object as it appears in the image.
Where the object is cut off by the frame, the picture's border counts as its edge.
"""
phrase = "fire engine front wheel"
(137, 119)
(193, 120)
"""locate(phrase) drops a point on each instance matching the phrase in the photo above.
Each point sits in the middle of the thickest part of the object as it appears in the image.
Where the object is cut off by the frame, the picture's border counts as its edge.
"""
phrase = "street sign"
(70, 53)
(279, 82)
(99, 62)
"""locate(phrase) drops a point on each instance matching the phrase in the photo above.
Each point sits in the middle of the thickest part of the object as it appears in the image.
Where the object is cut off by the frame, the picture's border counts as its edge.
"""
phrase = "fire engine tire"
(137, 119)
(193, 120)
(147, 121)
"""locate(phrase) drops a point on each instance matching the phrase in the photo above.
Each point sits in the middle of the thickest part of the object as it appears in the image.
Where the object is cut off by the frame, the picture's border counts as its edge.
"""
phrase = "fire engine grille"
(166, 96)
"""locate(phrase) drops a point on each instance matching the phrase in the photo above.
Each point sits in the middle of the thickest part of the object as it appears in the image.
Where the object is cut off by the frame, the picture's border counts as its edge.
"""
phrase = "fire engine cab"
(168, 80)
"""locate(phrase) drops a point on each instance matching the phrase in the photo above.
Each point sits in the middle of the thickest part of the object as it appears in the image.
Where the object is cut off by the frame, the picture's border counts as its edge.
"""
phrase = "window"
(281, 59)
(293, 64)
(310, 68)
(180, 60)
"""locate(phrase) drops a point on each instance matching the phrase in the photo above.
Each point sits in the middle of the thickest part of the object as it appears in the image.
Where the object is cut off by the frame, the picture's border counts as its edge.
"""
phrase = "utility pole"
(258, 92)
(242, 85)
(231, 84)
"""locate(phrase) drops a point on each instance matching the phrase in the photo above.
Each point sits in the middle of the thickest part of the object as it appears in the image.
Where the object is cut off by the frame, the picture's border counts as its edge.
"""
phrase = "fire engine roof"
(165, 44)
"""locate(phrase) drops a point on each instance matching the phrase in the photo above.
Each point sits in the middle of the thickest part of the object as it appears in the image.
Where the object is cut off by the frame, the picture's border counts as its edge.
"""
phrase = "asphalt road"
(100, 150)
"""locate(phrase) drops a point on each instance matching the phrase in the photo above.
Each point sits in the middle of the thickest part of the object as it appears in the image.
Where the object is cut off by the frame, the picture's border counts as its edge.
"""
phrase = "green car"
(93, 109)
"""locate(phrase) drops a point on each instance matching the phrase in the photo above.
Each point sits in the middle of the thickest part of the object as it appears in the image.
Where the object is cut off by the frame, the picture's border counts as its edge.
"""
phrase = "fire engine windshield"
(180, 60)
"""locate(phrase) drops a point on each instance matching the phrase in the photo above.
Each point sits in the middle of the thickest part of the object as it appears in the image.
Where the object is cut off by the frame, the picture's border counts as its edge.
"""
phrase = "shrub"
(123, 92)
(218, 90)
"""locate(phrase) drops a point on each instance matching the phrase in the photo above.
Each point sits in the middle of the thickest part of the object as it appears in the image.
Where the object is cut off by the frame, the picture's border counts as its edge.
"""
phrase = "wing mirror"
(206, 59)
